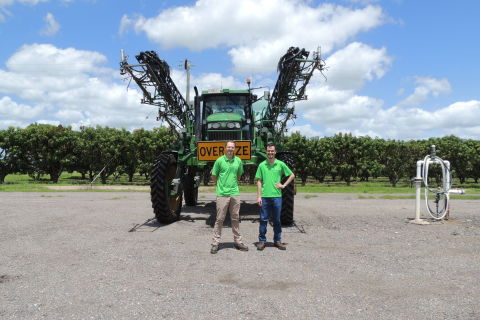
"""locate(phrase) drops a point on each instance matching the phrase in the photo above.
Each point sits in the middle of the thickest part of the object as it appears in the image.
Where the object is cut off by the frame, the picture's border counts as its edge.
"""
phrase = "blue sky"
(397, 69)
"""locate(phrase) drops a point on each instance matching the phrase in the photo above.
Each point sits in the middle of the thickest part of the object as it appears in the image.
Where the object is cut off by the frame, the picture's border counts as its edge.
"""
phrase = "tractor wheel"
(190, 192)
(288, 194)
(206, 176)
(166, 206)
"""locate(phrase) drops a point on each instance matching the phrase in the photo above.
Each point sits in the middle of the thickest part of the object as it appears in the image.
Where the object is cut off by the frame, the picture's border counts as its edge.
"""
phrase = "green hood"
(224, 117)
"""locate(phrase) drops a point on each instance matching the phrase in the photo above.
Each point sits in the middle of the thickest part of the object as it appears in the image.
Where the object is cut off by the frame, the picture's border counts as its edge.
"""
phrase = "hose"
(440, 211)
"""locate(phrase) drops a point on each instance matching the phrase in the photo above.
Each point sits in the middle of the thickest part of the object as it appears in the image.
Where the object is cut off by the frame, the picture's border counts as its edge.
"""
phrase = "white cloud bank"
(257, 32)
(335, 106)
(72, 87)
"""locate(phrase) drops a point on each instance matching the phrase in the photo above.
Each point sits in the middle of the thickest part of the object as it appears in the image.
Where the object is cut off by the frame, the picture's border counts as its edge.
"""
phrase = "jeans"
(270, 206)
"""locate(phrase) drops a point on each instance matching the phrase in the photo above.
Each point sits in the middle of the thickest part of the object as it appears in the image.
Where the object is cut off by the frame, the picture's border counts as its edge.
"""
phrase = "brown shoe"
(214, 249)
(240, 246)
(261, 246)
(280, 246)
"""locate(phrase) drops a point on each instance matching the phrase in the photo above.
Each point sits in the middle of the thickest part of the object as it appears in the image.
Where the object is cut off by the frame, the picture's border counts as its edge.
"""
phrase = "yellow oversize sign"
(211, 150)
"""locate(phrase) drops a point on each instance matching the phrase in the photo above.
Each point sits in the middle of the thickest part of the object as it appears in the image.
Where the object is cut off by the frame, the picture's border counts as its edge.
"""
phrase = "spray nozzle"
(433, 153)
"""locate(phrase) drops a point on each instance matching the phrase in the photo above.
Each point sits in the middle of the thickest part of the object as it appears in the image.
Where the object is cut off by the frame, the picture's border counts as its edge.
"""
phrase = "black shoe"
(280, 246)
(261, 246)
(240, 246)
(214, 249)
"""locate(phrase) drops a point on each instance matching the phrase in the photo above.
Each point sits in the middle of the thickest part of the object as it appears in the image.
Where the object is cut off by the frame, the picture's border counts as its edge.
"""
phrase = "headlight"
(224, 124)
(216, 125)
(209, 126)
(237, 125)
(231, 125)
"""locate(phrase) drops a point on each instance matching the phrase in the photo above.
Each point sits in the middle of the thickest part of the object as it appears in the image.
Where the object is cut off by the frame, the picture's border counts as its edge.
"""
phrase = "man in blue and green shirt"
(269, 192)
(226, 172)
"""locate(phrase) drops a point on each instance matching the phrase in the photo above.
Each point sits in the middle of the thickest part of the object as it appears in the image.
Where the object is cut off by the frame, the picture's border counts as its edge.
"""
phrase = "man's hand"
(279, 185)
(259, 201)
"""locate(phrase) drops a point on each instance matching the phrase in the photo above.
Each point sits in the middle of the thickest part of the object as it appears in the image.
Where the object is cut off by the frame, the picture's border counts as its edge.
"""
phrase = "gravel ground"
(96, 255)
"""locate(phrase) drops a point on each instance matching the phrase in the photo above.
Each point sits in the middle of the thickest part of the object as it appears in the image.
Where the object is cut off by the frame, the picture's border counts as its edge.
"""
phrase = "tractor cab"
(226, 115)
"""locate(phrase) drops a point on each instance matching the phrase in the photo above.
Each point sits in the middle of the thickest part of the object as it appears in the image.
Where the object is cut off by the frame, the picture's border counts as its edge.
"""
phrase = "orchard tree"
(394, 155)
(149, 145)
(474, 147)
(48, 149)
(459, 153)
(100, 151)
(128, 162)
(321, 158)
(345, 153)
(367, 158)
(301, 147)
(10, 155)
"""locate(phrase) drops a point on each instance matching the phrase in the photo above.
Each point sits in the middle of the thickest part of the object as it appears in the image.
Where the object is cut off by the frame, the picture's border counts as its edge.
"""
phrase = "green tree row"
(42, 149)
(347, 158)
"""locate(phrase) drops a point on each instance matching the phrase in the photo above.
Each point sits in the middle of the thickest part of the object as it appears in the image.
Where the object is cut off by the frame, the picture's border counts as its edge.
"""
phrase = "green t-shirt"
(270, 175)
(227, 172)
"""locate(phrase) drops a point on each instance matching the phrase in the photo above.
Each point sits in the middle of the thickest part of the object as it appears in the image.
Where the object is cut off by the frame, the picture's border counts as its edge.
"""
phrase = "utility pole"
(187, 69)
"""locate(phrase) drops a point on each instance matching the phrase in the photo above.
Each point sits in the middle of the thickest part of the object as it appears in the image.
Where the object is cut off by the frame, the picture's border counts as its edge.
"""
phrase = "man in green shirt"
(269, 193)
(226, 172)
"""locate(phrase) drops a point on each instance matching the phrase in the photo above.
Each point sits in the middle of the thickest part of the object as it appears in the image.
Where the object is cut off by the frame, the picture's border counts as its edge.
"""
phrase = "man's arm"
(259, 192)
(215, 171)
(240, 171)
(290, 179)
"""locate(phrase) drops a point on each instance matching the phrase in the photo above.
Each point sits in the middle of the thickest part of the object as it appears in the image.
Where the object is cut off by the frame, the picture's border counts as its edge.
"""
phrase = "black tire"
(190, 192)
(206, 175)
(288, 193)
(165, 206)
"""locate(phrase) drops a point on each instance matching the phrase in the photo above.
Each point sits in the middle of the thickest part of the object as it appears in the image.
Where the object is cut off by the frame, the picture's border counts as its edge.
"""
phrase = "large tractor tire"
(206, 175)
(166, 206)
(288, 193)
(190, 191)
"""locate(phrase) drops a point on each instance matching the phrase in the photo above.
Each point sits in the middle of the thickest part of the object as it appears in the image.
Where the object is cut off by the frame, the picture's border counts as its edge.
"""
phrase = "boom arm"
(295, 71)
(152, 75)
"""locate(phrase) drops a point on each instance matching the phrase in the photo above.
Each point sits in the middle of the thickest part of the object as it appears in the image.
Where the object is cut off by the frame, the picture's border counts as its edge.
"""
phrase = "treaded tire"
(190, 192)
(165, 206)
(206, 175)
(288, 193)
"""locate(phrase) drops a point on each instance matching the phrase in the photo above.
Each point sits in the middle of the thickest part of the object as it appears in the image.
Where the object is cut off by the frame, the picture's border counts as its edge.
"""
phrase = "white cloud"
(350, 67)
(458, 118)
(71, 87)
(364, 2)
(336, 110)
(426, 86)
(246, 28)
(6, 3)
(9, 108)
(306, 130)
(51, 25)
(46, 59)
(125, 23)
(67, 86)
(343, 111)
(203, 82)
(51, 122)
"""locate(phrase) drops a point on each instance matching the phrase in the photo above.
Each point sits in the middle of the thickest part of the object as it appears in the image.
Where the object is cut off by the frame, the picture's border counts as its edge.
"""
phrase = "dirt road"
(79, 255)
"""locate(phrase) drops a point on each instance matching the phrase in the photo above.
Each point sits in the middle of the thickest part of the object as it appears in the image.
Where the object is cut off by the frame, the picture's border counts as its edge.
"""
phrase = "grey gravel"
(97, 255)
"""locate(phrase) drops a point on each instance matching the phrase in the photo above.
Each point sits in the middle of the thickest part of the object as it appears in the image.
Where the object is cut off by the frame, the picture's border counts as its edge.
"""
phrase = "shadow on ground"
(206, 211)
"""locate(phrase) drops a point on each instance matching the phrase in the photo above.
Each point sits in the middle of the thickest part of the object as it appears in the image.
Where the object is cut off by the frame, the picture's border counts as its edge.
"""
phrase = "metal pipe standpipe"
(436, 199)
